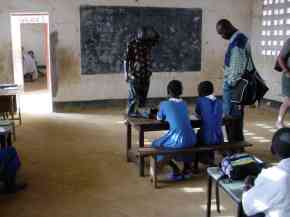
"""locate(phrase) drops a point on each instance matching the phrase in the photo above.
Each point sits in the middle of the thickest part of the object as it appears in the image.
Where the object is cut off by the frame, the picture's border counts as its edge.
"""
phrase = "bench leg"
(128, 140)
(195, 164)
(142, 159)
(153, 171)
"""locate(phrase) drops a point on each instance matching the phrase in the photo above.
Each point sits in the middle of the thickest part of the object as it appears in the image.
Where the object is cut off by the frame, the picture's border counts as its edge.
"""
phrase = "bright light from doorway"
(36, 102)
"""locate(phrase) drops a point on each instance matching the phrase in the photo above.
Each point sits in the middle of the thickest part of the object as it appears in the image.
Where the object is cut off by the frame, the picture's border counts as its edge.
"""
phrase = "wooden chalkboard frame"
(105, 30)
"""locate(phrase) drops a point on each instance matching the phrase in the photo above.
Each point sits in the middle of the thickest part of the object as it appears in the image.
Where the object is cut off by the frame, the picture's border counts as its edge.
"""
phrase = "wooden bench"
(153, 152)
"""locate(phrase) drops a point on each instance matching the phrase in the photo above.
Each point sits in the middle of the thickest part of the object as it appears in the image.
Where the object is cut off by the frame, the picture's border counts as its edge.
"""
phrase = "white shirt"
(271, 193)
(28, 64)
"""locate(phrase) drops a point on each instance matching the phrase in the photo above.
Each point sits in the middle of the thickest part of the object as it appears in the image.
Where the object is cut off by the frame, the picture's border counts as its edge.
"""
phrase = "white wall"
(264, 64)
(64, 18)
(33, 38)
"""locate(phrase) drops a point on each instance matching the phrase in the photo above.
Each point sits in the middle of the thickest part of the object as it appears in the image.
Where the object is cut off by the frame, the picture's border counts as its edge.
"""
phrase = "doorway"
(31, 60)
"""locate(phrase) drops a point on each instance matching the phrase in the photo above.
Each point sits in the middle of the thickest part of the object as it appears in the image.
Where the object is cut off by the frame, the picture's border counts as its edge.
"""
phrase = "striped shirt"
(237, 58)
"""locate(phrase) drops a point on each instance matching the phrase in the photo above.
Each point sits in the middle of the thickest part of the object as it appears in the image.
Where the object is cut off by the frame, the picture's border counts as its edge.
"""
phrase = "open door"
(54, 68)
(26, 31)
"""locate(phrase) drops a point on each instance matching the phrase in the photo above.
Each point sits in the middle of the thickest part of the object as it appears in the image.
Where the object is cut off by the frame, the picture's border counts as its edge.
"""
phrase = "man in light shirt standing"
(270, 193)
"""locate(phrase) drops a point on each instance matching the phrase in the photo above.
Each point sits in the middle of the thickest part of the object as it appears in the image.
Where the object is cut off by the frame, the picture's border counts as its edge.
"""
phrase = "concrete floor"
(74, 164)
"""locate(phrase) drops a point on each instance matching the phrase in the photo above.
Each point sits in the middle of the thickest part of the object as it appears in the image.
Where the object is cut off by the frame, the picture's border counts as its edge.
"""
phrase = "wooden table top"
(153, 124)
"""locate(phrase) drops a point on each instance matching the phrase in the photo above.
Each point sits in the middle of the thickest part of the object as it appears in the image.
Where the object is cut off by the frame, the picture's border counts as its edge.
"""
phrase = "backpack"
(239, 166)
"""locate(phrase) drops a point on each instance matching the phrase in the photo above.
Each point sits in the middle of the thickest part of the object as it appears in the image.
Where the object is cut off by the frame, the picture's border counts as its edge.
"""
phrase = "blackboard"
(105, 32)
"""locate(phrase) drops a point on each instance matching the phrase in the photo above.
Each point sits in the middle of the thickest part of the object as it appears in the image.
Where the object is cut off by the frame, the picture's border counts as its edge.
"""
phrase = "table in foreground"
(234, 189)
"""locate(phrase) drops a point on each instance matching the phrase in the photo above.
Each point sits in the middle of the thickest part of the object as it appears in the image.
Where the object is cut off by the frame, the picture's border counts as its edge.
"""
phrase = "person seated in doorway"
(209, 110)
(269, 194)
(180, 134)
(31, 53)
(29, 68)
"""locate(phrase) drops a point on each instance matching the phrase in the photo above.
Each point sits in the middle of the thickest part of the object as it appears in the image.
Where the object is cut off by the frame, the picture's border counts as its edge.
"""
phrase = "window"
(276, 26)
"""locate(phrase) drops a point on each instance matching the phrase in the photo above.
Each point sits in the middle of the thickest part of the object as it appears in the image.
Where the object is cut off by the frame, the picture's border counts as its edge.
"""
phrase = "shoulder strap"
(249, 59)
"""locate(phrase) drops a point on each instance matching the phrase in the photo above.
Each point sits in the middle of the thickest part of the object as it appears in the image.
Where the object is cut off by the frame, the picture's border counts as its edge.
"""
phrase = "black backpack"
(250, 88)
(239, 166)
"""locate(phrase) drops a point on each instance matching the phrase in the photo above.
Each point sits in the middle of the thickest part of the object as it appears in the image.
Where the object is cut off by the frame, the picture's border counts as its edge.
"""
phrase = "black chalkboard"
(105, 32)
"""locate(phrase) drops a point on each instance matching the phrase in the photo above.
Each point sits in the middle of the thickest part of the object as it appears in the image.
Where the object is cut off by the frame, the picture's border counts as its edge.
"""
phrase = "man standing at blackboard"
(137, 66)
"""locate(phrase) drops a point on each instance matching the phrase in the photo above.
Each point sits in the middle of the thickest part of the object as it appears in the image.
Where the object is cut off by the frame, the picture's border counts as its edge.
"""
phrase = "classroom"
(131, 108)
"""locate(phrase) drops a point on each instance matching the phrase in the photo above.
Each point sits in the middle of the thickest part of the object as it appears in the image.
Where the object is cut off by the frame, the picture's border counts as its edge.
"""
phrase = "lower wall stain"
(6, 68)
(68, 66)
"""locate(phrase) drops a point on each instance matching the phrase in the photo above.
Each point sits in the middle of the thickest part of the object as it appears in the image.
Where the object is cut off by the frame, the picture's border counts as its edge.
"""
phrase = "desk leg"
(141, 145)
(19, 109)
(128, 140)
(240, 211)
(12, 109)
(217, 196)
(209, 189)
(9, 140)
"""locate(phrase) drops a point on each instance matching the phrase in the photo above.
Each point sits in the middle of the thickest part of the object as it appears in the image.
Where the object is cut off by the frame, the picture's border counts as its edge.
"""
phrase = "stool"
(11, 124)
(5, 137)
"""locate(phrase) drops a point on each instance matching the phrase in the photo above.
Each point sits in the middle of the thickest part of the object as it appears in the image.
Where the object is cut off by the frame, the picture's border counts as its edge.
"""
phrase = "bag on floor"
(239, 166)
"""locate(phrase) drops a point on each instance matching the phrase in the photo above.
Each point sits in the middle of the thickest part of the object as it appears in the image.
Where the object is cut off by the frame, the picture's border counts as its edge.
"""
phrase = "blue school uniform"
(180, 134)
(211, 114)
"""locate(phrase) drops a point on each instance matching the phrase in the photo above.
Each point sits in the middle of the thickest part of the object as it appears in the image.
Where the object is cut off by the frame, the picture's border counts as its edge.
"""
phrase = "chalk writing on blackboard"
(106, 30)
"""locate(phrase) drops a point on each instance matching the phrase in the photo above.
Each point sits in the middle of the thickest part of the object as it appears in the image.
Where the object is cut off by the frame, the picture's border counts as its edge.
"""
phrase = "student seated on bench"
(269, 194)
(210, 111)
(180, 135)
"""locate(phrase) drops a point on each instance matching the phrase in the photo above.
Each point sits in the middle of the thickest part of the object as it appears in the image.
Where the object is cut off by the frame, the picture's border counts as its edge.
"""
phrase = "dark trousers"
(235, 127)
(138, 90)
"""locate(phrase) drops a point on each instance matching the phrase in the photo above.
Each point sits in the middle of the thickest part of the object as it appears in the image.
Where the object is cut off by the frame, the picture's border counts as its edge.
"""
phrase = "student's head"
(31, 53)
(174, 88)
(225, 29)
(205, 88)
(281, 143)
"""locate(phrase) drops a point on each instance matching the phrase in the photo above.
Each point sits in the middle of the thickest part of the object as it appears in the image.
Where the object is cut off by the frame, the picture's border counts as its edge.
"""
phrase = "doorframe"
(16, 19)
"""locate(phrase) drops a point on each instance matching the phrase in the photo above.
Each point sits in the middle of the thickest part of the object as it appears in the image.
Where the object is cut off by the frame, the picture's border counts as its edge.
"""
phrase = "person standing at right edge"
(237, 59)
(284, 62)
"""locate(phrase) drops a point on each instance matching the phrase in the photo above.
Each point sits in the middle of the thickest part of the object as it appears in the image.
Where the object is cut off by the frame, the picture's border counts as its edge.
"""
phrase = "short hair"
(174, 88)
(281, 143)
(205, 88)
(224, 23)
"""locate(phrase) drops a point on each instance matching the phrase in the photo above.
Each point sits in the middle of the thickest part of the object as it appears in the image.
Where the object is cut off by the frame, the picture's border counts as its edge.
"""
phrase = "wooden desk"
(143, 125)
(9, 95)
(234, 189)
